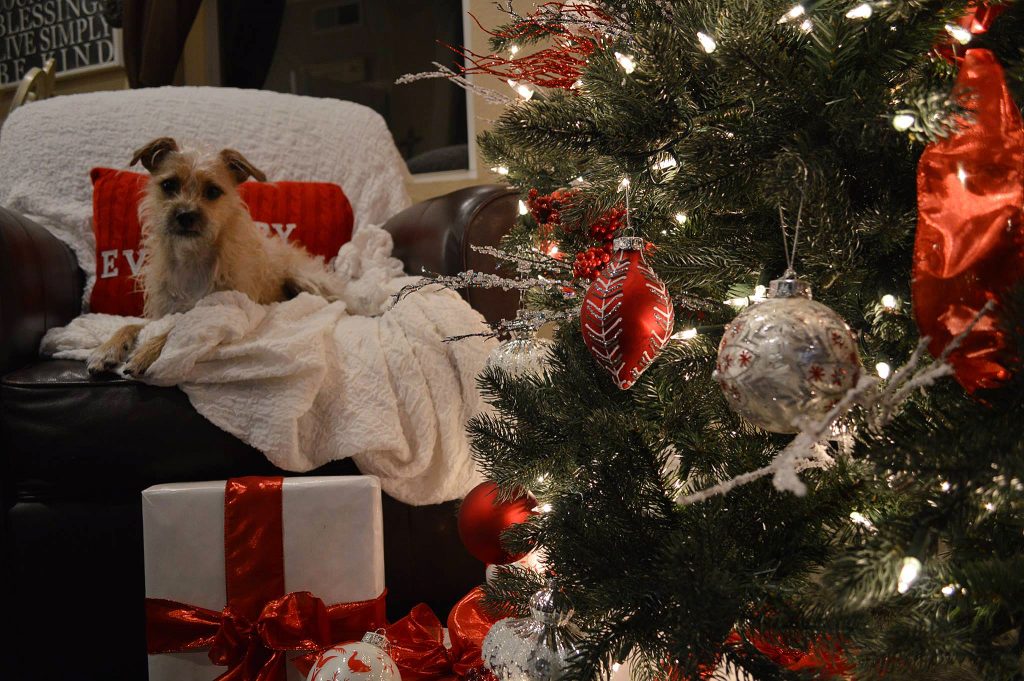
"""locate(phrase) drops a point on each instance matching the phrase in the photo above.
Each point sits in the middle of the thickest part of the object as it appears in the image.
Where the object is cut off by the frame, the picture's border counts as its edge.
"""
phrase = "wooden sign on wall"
(72, 32)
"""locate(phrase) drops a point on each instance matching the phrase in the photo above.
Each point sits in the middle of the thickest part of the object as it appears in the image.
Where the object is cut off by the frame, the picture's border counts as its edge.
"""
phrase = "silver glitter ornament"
(523, 354)
(785, 358)
(534, 648)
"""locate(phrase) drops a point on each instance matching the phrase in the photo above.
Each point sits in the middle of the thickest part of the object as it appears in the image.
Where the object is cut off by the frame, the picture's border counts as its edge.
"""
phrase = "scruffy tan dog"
(198, 237)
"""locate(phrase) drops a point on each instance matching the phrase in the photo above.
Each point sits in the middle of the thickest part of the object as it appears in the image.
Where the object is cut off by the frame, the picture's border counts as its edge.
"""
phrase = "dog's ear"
(151, 154)
(240, 168)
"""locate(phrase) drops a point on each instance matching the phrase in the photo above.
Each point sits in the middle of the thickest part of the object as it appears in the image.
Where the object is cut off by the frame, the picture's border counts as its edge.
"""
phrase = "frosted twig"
(487, 94)
(525, 260)
(807, 449)
(473, 279)
(533, 319)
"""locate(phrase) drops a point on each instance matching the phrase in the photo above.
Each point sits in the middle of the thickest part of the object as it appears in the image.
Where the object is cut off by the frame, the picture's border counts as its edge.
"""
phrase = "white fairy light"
(861, 11)
(949, 590)
(524, 91)
(616, 667)
(665, 163)
(990, 507)
(553, 250)
(889, 301)
(685, 334)
(623, 184)
(806, 26)
(760, 292)
(859, 518)
(681, 218)
(545, 508)
(626, 61)
(501, 170)
(904, 121)
(883, 370)
(541, 478)
(707, 42)
(523, 209)
(961, 174)
(909, 572)
(945, 486)
(959, 33)
(794, 12)
(513, 50)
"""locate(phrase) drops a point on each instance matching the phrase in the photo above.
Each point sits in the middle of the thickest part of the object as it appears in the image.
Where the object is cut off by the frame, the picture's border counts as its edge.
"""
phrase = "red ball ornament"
(627, 314)
(482, 519)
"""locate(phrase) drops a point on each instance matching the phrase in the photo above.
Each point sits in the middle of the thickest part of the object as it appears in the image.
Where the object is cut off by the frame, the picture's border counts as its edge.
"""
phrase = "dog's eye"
(170, 185)
(212, 192)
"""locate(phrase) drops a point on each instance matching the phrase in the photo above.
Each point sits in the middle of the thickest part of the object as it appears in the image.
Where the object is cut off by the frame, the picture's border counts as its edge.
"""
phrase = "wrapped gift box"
(333, 548)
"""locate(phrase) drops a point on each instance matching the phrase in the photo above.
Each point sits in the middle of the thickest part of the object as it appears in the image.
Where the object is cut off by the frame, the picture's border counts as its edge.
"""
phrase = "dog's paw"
(144, 356)
(105, 359)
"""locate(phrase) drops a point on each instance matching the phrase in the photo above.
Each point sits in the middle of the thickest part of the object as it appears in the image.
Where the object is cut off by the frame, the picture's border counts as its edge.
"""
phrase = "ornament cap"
(376, 638)
(628, 243)
(551, 606)
(789, 286)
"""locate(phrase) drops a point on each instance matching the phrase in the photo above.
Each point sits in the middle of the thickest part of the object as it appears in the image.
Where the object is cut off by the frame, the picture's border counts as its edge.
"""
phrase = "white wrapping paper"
(333, 548)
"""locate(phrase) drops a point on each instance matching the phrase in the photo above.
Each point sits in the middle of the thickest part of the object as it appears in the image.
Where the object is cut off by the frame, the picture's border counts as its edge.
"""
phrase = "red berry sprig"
(590, 262)
(608, 225)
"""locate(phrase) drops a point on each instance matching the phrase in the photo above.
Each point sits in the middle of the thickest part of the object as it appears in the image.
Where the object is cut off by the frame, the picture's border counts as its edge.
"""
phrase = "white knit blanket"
(307, 382)
(47, 149)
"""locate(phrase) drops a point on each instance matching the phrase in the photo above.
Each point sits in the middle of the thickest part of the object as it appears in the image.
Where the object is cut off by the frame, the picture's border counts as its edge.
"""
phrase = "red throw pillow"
(316, 215)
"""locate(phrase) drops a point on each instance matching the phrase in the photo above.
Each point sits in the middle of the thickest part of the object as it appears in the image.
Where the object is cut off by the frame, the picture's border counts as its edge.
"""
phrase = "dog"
(198, 238)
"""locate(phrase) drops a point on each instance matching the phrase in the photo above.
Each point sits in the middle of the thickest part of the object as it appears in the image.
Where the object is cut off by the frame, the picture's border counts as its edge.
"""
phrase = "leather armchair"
(78, 450)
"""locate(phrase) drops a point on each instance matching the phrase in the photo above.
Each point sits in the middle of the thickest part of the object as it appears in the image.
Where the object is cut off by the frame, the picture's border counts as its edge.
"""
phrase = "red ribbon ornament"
(260, 624)
(969, 246)
(417, 642)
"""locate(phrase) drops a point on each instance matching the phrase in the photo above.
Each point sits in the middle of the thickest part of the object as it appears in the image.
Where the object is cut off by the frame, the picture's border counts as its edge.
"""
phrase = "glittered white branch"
(442, 71)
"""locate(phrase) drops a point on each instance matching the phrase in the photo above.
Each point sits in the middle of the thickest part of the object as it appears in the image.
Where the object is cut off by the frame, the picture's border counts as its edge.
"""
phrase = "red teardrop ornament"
(627, 314)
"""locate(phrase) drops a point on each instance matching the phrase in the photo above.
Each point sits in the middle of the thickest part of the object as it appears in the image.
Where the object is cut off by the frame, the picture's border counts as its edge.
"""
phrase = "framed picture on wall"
(74, 33)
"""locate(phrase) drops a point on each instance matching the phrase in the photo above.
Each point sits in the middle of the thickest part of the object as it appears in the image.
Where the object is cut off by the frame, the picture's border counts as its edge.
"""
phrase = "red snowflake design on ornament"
(816, 373)
(837, 339)
(745, 359)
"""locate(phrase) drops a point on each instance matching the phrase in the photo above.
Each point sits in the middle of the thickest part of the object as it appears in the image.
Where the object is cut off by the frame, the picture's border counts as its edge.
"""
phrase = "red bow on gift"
(252, 635)
(417, 642)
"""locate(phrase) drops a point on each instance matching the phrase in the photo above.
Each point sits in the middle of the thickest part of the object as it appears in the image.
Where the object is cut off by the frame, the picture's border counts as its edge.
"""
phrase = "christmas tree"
(738, 139)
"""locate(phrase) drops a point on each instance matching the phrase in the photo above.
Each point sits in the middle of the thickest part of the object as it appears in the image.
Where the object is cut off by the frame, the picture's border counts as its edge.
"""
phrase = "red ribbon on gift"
(417, 641)
(260, 624)
(969, 245)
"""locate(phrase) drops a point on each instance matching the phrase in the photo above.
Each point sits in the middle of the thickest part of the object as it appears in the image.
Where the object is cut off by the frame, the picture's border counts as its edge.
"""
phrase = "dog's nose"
(186, 219)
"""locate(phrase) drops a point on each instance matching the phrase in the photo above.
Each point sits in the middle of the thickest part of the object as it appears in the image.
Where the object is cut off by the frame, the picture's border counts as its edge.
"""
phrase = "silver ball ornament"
(534, 648)
(786, 358)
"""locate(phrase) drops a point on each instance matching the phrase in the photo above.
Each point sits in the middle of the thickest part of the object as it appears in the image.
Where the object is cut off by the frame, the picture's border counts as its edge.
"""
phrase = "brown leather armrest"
(40, 287)
(436, 236)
